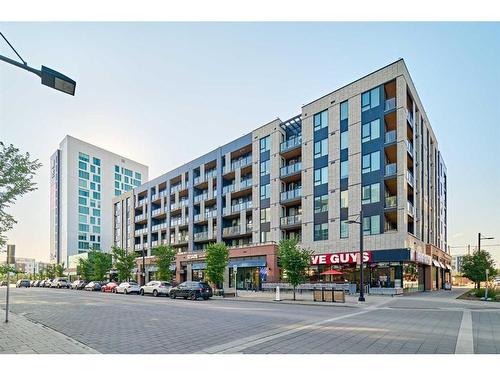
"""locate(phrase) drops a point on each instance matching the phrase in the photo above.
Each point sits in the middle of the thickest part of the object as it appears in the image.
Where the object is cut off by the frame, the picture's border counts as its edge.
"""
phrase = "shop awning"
(442, 265)
(247, 263)
(199, 266)
(331, 272)
(448, 267)
(436, 263)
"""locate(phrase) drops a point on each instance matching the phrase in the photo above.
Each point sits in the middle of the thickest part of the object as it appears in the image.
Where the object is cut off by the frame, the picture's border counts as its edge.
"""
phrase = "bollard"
(277, 297)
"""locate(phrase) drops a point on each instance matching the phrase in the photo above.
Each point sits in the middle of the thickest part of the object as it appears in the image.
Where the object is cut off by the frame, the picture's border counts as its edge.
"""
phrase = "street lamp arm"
(24, 66)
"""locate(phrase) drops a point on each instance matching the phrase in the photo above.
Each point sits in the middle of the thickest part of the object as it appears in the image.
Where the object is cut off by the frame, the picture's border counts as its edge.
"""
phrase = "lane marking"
(465, 339)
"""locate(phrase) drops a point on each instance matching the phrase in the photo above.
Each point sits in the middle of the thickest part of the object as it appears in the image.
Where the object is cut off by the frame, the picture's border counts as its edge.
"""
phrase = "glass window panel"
(344, 199)
(344, 140)
(344, 229)
(344, 110)
(375, 224)
(375, 161)
(375, 97)
(344, 169)
(375, 129)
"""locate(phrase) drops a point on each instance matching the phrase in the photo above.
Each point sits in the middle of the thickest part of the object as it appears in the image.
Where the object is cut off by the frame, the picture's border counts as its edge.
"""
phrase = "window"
(265, 191)
(117, 193)
(264, 236)
(82, 236)
(83, 156)
(320, 232)
(137, 183)
(370, 99)
(83, 227)
(265, 144)
(371, 225)
(92, 169)
(321, 148)
(344, 199)
(265, 167)
(118, 177)
(83, 245)
(265, 215)
(321, 204)
(320, 176)
(92, 220)
(82, 165)
(83, 193)
(82, 200)
(83, 210)
(126, 180)
(117, 169)
(344, 229)
(96, 212)
(96, 161)
(344, 110)
(82, 219)
(96, 195)
(370, 131)
(138, 176)
(96, 229)
(82, 183)
(83, 174)
(344, 169)
(320, 120)
(344, 140)
(96, 178)
(371, 162)
(371, 193)
(92, 185)
(127, 172)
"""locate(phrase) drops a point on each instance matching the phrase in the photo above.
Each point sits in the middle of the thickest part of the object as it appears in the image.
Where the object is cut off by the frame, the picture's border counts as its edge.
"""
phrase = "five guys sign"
(340, 258)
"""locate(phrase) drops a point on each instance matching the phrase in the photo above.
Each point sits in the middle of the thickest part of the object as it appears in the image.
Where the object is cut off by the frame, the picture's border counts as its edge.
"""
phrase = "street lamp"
(479, 238)
(49, 77)
(360, 222)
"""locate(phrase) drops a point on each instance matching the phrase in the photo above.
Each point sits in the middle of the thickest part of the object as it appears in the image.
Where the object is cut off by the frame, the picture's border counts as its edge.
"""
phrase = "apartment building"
(368, 145)
(84, 179)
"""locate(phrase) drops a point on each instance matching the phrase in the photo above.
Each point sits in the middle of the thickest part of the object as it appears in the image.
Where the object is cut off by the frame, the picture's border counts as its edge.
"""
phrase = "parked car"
(497, 281)
(59, 282)
(37, 283)
(156, 288)
(93, 286)
(78, 284)
(192, 290)
(109, 287)
(48, 283)
(23, 283)
(3, 283)
(127, 287)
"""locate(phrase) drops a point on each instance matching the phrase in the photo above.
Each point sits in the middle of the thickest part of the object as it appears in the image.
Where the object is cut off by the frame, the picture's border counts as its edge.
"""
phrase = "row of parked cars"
(188, 289)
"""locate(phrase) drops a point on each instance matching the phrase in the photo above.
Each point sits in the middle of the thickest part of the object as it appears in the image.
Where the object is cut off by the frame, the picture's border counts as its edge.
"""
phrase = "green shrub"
(492, 293)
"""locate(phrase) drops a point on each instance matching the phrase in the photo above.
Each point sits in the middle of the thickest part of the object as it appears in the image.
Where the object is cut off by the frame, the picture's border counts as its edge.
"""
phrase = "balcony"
(410, 178)
(158, 227)
(390, 169)
(228, 189)
(178, 187)
(138, 232)
(390, 104)
(205, 177)
(179, 221)
(157, 212)
(140, 217)
(391, 201)
(409, 118)
(154, 197)
(240, 163)
(293, 220)
(154, 243)
(202, 236)
(410, 208)
(238, 207)
(208, 214)
(182, 239)
(291, 194)
(288, 170)
(140, 247)
(236, 230)
(141, 202)
(163, 193)
(176, 206)
(390, 136)
(290, 144)
(409, 146)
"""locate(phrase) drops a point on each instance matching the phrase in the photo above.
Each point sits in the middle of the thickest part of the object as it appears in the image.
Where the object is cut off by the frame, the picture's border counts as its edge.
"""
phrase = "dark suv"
(192, 290)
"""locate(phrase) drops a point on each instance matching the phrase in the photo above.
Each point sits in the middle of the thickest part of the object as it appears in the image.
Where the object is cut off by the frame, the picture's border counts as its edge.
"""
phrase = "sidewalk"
(22, 336)
(306, 299)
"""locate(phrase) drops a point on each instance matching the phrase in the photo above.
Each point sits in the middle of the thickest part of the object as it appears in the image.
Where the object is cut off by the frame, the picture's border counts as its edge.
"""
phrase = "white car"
(59, 282)
(156, 288)
(127, 287)
(497, 280)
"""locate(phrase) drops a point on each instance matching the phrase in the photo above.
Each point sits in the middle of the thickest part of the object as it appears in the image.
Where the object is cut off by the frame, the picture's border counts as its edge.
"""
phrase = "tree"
(217, 257)
(59, 270)
(101, 264)
(16, 179)
(85, 269)
(294, 262)
(5, 268)
(50, 271)
(165, 256)
(124, 262)
(474, 266)
(41, 274)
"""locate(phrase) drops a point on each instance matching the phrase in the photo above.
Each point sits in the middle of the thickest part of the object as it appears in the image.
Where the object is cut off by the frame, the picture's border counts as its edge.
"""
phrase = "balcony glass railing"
(290, 169)
(411, 208)
(142, 201)
(390, 169)
(237, 207)
(208, 214)
(409, 146)
(228, 189)
(179, 221)
(157, 227)
(158, 211)
(140, 217)
(391, 201)
(291, 220)
(291, 194)
(245, 183)
(141, 231)
(410, 178)
(290, 144)
(163, 193)
(240, 163)
(236, 230)
(390, 136)
(182, 203)
(206, 176)
(178, 187)
(200, 236)
(409, 117)
(390, 104)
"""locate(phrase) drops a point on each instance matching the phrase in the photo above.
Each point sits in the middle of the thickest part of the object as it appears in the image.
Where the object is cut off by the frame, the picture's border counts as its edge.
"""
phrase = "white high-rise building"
(83, 181)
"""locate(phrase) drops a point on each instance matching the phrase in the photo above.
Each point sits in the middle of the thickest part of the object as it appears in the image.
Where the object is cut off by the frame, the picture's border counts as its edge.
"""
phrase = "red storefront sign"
(340, 258)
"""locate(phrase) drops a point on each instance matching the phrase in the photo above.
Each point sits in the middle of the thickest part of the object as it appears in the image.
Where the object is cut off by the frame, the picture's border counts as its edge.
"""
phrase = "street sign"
(11, 254)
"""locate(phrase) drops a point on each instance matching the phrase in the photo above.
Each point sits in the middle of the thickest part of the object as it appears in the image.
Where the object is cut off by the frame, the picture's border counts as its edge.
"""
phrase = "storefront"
(248, 273)
(400, 270)
(441, 268)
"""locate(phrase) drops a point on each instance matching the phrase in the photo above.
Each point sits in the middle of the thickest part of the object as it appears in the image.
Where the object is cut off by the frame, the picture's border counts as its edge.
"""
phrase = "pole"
(486, 285)
(7, 295)
(143, 268)
(479, 243)
(468, 249)
(362, 287)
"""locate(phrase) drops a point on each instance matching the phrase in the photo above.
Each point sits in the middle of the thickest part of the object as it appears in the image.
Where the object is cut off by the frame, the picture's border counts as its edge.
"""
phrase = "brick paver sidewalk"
(23, 336)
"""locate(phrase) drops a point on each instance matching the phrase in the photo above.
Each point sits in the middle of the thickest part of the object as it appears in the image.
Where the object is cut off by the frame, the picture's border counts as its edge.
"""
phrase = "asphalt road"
(109, 323)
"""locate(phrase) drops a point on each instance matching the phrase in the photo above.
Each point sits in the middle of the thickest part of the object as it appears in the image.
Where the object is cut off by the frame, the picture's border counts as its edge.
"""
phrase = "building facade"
(84, 179)
(368, 145)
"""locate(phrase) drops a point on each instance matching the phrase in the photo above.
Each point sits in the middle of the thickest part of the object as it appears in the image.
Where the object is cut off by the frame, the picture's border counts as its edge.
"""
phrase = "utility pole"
(468, 249)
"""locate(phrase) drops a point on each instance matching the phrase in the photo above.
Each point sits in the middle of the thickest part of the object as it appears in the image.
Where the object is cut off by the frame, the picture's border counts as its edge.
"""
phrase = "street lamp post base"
(361, 299)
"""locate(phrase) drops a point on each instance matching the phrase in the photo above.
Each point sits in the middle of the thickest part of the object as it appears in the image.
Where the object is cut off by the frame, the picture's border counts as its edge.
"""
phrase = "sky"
(165, 93)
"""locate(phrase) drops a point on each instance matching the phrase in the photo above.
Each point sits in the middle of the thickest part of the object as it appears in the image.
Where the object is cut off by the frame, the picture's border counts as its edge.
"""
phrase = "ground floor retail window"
(247, 278)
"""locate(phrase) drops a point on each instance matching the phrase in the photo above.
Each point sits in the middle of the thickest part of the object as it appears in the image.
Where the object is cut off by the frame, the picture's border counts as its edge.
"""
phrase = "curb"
(289, 302)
